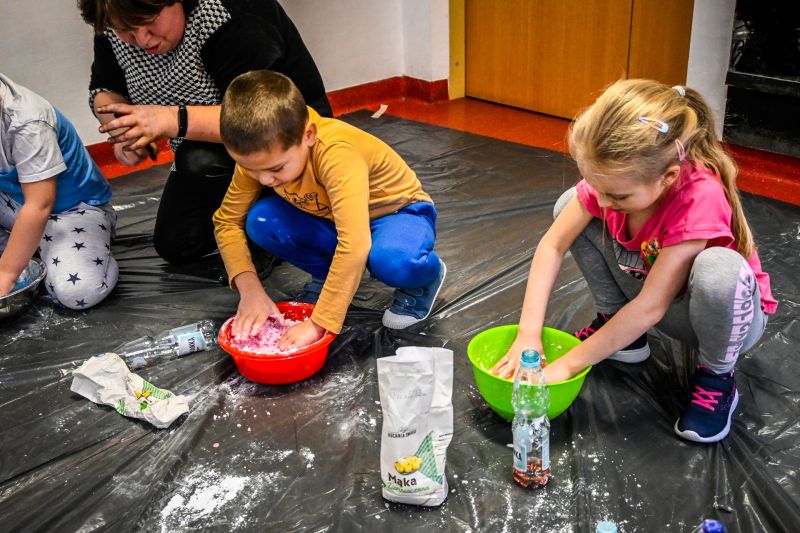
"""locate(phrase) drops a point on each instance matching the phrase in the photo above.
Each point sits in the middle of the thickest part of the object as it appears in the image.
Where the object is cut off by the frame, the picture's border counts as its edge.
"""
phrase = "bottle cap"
(606, 526)
(713, 526)
(530, 358)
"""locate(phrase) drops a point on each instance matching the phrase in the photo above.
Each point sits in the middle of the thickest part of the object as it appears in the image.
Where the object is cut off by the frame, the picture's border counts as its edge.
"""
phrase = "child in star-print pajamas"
(54, 200)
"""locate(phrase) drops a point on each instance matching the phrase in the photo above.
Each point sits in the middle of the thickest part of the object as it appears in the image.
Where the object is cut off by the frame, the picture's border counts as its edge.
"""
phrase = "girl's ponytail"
(704, 147)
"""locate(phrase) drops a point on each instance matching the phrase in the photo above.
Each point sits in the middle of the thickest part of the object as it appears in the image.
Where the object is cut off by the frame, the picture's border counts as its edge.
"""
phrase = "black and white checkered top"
(222, 39)
(178, 77)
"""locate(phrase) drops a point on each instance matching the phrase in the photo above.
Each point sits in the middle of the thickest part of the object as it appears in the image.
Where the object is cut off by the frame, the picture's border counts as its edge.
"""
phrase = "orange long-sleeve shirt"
(351, 177)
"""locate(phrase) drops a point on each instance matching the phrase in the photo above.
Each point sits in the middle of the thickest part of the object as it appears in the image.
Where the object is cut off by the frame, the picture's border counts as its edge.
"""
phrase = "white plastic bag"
(105, 379)
(416, 391)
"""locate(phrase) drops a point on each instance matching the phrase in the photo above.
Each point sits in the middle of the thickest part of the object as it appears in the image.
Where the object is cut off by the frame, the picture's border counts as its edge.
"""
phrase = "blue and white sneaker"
(713, 400)
(311, 291)
(413, 305)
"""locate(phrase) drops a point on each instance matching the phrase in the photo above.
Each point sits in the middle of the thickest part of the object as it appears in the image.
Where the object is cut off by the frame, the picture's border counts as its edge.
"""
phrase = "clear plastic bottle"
(167, 345)
(531, 427)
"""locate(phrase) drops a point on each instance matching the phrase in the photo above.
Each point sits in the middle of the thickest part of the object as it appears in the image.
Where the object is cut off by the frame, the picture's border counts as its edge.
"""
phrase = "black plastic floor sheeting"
(305, 457)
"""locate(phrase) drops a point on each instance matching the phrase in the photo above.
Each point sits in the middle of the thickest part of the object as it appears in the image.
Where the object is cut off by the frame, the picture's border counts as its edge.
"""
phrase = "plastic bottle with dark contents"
(531, 427)
(167, 345)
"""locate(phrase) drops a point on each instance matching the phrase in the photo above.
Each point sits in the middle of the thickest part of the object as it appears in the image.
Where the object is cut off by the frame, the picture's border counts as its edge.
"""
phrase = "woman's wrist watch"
(183, 121)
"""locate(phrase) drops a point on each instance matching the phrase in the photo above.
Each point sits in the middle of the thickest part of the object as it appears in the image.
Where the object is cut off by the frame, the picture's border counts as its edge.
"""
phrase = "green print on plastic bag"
(425, 452)
(149, 394)
(154, 391)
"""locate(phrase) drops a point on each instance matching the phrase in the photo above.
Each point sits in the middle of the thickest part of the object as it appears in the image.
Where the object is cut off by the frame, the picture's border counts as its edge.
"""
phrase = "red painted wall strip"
(103, 155)
(361, 96)
(377, 92)
(427, 91)
(766, 174)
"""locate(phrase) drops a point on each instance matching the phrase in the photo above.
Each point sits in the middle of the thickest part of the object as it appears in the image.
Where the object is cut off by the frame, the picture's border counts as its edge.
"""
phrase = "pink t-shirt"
(695, 208)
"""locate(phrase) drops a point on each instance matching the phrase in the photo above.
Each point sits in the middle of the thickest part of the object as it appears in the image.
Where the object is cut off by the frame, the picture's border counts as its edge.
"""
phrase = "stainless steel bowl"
(15, 302)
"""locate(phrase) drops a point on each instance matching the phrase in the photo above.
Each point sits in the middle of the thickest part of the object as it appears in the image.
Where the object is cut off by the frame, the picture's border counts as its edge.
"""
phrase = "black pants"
(193, 192)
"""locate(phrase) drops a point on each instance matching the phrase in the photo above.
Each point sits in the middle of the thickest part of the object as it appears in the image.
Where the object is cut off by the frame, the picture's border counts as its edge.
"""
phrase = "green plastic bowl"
(488, 347)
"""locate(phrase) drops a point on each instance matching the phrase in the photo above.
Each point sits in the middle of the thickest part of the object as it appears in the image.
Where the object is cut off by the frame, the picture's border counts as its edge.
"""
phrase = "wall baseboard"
(103, 155)
(766, 174)
(377, 92)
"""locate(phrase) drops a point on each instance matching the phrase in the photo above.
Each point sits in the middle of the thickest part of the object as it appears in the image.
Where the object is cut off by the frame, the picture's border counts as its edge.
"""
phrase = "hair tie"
(681, 90)
(658, 125)
(681, 150)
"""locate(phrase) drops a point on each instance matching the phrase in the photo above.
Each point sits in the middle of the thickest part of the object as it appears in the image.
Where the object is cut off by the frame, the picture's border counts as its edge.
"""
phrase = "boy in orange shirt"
(345, 201)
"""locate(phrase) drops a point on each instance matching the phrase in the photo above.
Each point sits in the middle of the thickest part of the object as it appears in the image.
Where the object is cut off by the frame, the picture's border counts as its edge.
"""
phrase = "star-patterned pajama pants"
(76, 247)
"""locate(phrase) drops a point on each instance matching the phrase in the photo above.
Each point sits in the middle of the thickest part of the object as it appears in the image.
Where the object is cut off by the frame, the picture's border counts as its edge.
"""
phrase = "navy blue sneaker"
(413, 305)
(635, 352)
(311, 291)
(713, 400)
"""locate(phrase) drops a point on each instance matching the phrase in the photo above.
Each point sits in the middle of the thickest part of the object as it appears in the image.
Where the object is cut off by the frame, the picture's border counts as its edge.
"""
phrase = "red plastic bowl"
(279, 369)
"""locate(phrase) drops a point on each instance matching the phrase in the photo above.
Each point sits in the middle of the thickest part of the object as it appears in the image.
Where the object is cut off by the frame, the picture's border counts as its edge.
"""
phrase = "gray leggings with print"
(719, 314)
(76, 247)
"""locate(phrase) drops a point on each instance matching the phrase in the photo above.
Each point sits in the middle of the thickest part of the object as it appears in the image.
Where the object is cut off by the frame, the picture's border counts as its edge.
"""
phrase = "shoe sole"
(693, 436)
(392, 321)
(632, 356)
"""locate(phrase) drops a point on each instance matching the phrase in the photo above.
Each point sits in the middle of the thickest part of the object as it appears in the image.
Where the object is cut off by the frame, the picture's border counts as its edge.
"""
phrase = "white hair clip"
(681, 90)
(658, 125)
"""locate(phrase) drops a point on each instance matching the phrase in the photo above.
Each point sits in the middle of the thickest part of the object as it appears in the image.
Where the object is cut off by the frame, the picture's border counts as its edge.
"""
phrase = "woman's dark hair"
(102, 14)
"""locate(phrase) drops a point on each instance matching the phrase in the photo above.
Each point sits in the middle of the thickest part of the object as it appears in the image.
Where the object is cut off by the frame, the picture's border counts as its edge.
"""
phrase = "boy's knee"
(563, 201)
(400, 270)
(264, 220)
(71, 295)
(74, 292)
(261, 219)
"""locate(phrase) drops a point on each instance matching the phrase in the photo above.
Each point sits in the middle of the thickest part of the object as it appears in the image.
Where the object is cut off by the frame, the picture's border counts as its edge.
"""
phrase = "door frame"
(458, 52)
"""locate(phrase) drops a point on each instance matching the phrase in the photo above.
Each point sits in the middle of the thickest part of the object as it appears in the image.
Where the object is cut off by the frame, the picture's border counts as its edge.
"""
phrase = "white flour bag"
(416, 390)
(105, 379)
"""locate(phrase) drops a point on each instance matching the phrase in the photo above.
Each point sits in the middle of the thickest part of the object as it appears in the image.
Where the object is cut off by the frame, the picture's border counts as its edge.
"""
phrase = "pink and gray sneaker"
(635, 352)
(713, 400)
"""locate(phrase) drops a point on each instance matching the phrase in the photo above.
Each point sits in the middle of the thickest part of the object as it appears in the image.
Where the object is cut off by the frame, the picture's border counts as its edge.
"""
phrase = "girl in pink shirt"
(657, 228)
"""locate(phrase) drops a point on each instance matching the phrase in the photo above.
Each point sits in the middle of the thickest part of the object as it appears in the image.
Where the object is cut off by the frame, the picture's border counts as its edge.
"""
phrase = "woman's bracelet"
(183, 121)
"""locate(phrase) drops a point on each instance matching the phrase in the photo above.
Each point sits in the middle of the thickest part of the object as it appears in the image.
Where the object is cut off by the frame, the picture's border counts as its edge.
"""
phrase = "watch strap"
(183, 121)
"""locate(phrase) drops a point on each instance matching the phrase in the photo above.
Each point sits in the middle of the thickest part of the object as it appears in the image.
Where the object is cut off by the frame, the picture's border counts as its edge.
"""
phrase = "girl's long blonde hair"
(609, 138)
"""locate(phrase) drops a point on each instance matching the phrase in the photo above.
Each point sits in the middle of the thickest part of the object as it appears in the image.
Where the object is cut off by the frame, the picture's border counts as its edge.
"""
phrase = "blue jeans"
(401, 255)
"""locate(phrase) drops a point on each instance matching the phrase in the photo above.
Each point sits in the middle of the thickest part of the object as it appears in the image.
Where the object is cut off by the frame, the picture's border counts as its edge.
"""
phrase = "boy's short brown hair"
(262, 109)
(102, 14)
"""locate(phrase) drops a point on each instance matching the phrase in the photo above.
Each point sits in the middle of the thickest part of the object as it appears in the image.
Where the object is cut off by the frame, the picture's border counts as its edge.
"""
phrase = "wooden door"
(660, 35)
(556, 56)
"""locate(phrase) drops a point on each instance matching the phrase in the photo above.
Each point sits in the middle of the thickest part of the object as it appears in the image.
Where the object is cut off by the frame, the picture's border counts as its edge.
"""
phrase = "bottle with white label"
(167, 345)
(531, 427)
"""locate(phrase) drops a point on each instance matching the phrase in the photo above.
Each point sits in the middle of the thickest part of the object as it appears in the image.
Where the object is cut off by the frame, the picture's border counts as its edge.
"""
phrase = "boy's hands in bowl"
(301, 335)
(254, 307)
